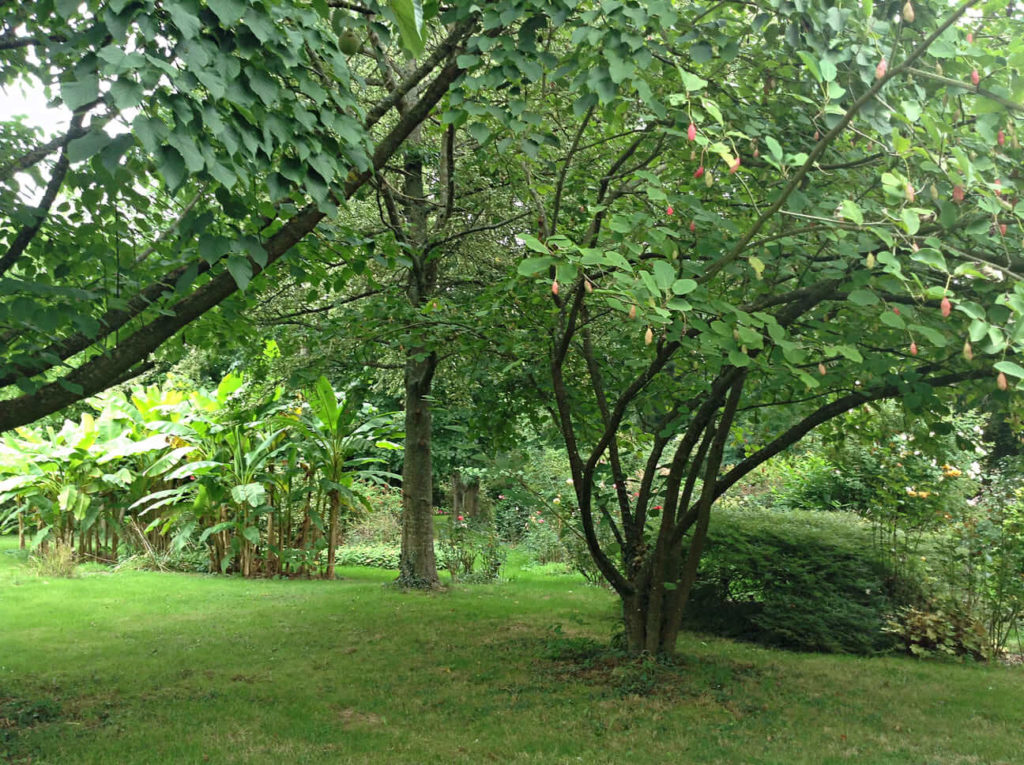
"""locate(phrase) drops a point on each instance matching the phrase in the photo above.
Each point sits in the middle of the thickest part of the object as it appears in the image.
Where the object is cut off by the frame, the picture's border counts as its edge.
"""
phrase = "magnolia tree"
(795, 208)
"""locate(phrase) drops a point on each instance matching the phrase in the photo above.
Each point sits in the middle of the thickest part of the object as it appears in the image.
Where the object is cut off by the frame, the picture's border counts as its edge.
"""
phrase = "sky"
(23, 99)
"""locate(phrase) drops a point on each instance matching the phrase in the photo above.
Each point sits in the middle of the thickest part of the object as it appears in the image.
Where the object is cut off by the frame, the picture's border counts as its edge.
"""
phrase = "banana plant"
(336, 433)
(222, 490)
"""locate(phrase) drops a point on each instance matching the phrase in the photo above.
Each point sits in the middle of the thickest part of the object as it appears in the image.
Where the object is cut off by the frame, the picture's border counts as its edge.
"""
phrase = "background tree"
(229, 129)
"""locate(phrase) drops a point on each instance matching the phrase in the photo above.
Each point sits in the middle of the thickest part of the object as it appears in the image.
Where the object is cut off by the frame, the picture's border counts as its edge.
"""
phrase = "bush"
(801, 580)
(541, 541)
(812, 482)
(54, 559)
(950, 632)
(512, 517)
(371, 556)
(377, 556)
(472, 552)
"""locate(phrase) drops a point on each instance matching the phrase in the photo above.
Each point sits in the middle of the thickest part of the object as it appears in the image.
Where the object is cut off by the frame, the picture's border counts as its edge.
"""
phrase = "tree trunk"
(465, 496)
(332, 534)
(417, 565)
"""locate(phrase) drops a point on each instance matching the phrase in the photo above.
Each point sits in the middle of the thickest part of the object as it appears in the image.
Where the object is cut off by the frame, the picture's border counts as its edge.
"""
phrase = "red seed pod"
(698, 172)
(970, 37)
(693, 226)
(958, 193)
(896, 311)
(975, 77)
(913, 348)
(881, 69)
(1001, 138)
(734, 166)
(554, 287)
(691, 132)
(1002, 229)
(821, 369)
(669, 210)
(945, 306)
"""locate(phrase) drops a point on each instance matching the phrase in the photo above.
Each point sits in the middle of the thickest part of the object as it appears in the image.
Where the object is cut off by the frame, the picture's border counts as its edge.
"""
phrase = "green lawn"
(140, 667)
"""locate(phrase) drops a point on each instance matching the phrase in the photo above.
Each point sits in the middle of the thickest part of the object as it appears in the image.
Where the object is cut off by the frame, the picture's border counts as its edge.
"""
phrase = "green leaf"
(910, 221)
(80, 92)
(862, 297)
(409, 15)
(84, 147)
(228, 11)
(893, 319)
(480, 132)
(1009, 367)
(532, 266)
(811, 63)
(930, 257)
(188, 23)
(533, 243)
(664, 274)
(683, 286)
(691, 81)
(712, 108)
(171, 167)
(241, 270)
(827, 69)
(66, 8)
(852, 212)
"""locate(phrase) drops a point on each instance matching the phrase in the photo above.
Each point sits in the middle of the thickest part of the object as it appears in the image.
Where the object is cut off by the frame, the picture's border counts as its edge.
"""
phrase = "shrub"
(980, 559)
(511, 517)
(471, 552)
(950, 632)
(541, 541)
(371, 556)
(802, 580)
(377, 556)
(54, 559)
(382, 526)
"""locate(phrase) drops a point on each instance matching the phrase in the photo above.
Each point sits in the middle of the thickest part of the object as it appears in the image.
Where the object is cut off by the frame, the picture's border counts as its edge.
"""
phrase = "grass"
(141, 667)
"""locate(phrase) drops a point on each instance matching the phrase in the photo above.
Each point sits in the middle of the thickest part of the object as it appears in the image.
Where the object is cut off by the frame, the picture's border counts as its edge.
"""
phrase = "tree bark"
(334, 497)
(466, 496)
(417, 565)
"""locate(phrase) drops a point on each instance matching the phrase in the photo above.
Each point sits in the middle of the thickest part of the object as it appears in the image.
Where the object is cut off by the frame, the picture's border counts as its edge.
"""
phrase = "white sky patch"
(26, 99)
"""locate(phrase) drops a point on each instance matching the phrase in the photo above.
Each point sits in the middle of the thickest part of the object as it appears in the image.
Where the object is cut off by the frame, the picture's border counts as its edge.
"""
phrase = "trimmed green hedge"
(377, 556)
(805, 580)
